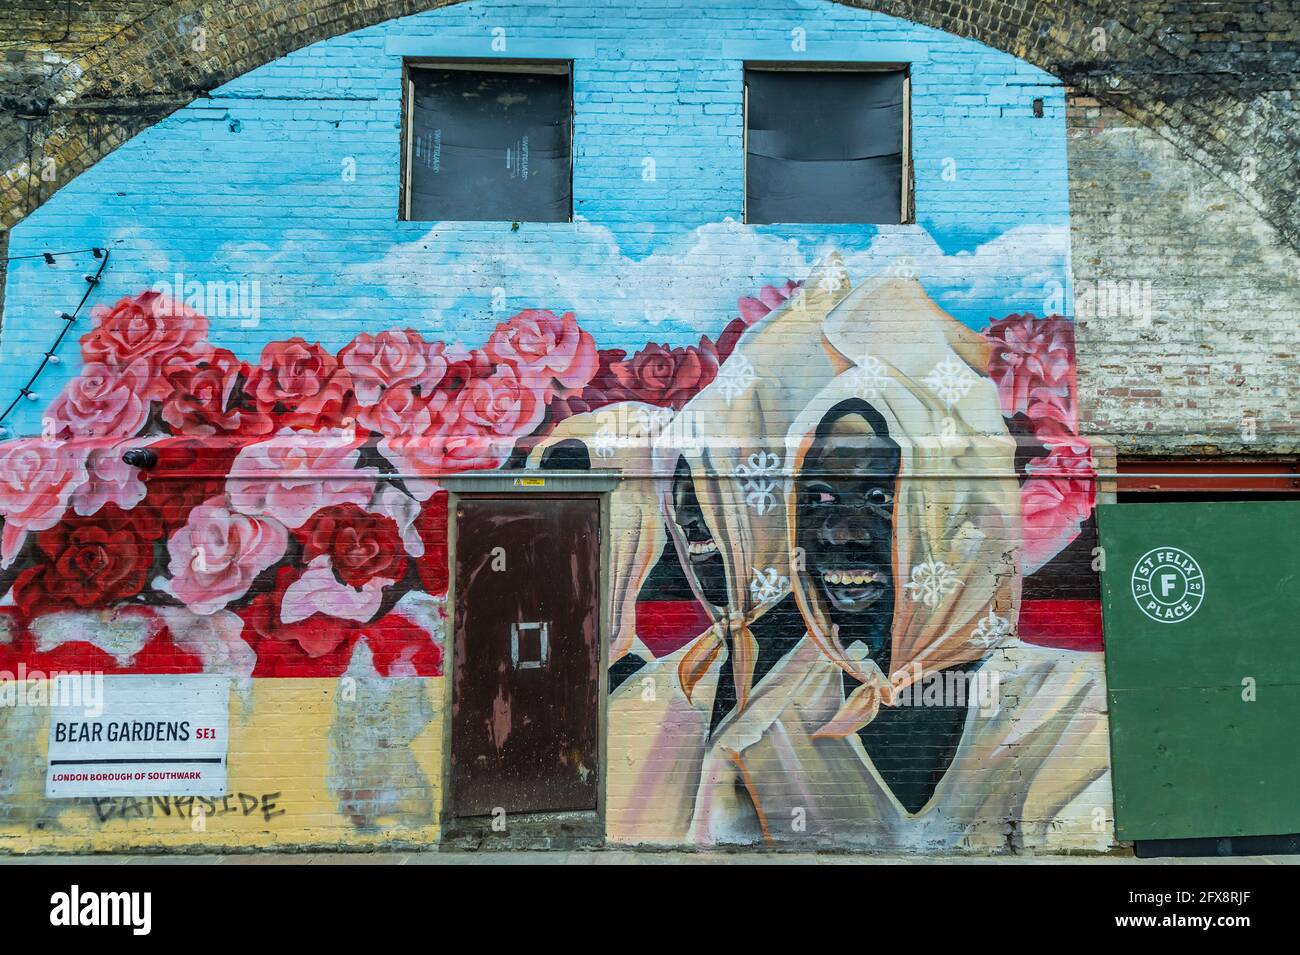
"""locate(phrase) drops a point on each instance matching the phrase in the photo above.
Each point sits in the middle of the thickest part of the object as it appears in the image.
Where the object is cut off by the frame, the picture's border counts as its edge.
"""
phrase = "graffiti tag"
(187, 807)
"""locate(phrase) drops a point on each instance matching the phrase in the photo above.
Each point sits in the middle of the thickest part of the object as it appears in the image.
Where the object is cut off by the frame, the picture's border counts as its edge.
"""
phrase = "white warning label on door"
(138, 736)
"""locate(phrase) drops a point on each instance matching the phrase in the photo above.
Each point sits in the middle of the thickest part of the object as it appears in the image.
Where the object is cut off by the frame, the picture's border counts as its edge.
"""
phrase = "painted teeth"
(851, 578)
(702, 547)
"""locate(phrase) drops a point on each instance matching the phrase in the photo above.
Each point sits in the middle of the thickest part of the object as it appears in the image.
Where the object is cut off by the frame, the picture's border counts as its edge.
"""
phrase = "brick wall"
(282, 184)
(1203, 359)
(1211, 89)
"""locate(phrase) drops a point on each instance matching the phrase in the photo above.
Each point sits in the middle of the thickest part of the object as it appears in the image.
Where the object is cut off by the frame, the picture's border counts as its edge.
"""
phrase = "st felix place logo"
(74, 908)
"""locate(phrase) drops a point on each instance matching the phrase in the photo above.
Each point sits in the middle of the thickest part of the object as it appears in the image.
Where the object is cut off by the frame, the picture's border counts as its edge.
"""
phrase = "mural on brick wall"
(299, 494)
(849, 589)
(852, 482)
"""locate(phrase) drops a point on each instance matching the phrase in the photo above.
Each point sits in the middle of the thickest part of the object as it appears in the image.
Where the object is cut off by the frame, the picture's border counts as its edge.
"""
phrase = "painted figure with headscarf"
(723, 496)
(898, 710)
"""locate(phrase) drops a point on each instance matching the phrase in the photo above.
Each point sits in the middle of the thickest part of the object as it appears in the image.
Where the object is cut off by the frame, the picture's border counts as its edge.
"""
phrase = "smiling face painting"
(896, 489)
(704, 560)
(845, 522)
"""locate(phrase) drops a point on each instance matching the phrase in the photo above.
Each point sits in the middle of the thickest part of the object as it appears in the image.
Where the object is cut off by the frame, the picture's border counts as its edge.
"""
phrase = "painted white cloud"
(690, 286)
(456, 281)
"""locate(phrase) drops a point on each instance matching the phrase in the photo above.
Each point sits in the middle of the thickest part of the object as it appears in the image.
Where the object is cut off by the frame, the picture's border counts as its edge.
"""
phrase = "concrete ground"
(617, 857)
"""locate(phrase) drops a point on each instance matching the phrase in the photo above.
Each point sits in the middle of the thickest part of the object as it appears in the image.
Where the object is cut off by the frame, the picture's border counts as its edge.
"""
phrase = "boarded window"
(827, 145)
(489, 144)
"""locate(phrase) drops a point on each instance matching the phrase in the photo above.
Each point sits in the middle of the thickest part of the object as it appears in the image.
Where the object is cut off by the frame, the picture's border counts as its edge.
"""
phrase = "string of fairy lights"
(67, 318)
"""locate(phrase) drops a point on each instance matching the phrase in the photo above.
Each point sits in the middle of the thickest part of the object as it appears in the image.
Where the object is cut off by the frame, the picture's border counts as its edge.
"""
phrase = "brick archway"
(1180, 78)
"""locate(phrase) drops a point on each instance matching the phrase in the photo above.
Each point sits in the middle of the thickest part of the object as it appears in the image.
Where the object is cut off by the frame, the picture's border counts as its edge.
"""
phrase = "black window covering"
(824, 146)
(490, 146)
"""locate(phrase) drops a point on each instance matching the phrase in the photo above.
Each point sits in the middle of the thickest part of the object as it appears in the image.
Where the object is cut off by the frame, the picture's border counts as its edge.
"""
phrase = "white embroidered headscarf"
(729, 435)
(956, 534)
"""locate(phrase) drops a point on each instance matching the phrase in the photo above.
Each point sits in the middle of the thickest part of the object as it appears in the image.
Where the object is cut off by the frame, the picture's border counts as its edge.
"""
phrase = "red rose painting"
(206, 396)
(142, 333)
(361, 545)
(662, 375)
(89, 561)
(300, 385)
(188, 472)
(317, 645)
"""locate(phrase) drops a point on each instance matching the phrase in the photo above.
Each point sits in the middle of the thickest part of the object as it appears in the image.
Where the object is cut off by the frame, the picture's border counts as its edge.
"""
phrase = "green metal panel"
(1201, 605)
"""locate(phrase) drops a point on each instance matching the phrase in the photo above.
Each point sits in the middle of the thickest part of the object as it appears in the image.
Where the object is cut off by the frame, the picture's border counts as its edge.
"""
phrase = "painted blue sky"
(251, 185)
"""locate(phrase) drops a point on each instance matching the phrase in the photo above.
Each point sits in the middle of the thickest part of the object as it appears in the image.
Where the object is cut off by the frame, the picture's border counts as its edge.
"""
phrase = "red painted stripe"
(666, 625)
(663, 625)
(1063, 624)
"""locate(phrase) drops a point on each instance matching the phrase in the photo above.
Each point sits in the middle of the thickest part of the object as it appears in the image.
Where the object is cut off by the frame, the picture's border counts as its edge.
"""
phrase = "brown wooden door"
(526, 690)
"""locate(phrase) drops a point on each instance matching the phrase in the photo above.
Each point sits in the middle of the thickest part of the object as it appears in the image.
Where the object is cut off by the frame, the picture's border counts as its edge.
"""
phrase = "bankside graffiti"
(187, 808)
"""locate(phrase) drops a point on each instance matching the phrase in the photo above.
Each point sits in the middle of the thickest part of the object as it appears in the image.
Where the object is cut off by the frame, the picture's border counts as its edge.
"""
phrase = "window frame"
(527, 66)
(907, 190)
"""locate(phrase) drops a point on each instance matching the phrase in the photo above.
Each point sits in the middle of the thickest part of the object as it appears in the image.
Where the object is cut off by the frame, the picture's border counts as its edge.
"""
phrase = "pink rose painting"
(294, 474)
(768, 300)
(402, 410)
(101, 402)
(391, 359)
(1032, 363)
(548, 352)
(423, 457)
(109, 479)
(1055, 501)
(501, 408)
(476, 430)
(319, 590)
(37, 480)
(313, 470)
(218, 552)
